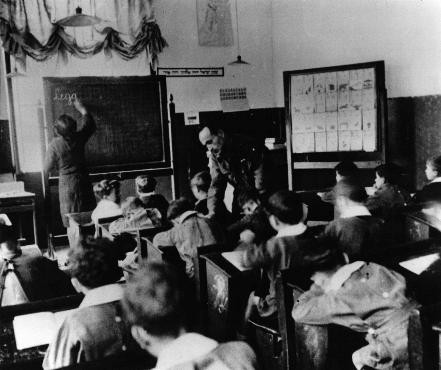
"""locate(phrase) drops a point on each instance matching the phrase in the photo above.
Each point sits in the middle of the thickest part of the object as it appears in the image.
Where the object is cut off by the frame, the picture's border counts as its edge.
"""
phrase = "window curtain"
(28, 28)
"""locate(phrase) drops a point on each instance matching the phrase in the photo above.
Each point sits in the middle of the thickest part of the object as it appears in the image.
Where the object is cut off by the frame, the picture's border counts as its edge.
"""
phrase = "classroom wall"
(319, 33)
(178, 23)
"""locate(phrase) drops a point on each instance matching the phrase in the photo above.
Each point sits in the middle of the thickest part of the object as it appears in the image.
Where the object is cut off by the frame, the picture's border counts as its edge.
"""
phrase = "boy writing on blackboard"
(66, 154)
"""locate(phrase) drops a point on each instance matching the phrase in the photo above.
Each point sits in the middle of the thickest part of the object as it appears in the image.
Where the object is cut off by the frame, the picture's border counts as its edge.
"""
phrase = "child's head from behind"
(284, 208)
(323, 258)
(249, 201)
(345, 169)
(178, 207)
(349, 192)
(65, 126)
(107, 189)
(145, 184)
(8, 239)
(200, 183)
(155, 304)
(94, 263)
(433, 168)
(385, 174)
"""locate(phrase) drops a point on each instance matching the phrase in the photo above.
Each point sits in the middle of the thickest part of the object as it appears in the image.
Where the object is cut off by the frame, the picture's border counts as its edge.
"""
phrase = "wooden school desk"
(420, 226)
(227, 291)
(30, 358)
(19, 202)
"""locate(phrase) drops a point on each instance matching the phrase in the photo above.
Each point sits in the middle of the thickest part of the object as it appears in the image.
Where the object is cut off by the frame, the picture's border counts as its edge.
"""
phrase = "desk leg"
(34, 221)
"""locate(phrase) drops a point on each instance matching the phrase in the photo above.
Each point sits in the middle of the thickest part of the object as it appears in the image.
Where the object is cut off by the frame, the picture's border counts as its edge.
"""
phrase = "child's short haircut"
(323, 254)
(145, 184)
(65, 126)
(105, 187)
(7, 233)
(178, 207)
(248, 195)
(201, 181)
(286, 206)
(389, 172)
(351, 189)
(95, 263)
(154, 299)
(346, 168)
(435, 163)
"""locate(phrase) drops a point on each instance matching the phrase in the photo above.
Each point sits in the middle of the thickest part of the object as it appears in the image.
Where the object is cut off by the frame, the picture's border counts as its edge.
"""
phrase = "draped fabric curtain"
(128, 27)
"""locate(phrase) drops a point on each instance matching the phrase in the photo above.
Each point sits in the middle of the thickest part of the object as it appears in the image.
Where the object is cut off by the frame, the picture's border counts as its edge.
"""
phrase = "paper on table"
(37, 329)
(420, 264)
(370, 190)
(235, 258)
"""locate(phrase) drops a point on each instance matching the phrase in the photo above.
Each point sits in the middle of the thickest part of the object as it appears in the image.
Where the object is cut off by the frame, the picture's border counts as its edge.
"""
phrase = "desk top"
(9, 355)
(16, 194)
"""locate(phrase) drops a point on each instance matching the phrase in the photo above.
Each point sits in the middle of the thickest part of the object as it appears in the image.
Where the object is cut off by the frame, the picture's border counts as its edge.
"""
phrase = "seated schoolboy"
(433, 188)
(282, 251)
(254, 226)
(108, 193)
(343, 170)
(156, 306)
(26, 276)
(356, 230)
(190, 231)
(145, 187)
(135, 216)
(365, 297)
(95, 329)
(200, 183)
(387, 193)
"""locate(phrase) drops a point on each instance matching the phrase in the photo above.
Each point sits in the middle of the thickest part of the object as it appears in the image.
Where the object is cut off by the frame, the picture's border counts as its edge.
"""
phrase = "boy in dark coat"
(356, 230)
(145, 187)
(282, 251)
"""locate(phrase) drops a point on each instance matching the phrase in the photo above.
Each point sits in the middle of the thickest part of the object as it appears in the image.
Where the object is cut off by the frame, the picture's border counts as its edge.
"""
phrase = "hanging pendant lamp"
(238, 60)
(79, 19)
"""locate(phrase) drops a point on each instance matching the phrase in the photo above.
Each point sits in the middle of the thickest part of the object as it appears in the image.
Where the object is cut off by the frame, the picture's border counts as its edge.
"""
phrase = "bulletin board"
(335, 113)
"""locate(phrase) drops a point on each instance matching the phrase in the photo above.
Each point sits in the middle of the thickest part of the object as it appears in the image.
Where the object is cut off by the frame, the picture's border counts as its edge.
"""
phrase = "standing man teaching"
(66, 154)
(235, 160)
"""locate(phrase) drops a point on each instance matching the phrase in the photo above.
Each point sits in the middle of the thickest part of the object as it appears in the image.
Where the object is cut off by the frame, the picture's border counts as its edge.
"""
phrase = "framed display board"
(335, 113)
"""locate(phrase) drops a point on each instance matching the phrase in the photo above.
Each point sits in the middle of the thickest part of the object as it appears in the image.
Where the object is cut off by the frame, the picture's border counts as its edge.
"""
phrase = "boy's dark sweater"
(257, 222)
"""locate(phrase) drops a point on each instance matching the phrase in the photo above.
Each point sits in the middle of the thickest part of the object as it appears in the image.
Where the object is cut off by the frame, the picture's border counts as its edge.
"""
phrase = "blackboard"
(130, 114)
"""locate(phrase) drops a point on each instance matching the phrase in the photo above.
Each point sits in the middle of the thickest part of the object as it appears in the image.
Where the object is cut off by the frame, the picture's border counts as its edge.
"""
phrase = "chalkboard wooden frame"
(159, 82)
(314, 160)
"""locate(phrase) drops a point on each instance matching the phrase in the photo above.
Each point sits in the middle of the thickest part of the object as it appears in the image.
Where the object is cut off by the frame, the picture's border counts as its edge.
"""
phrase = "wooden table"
(19, 202)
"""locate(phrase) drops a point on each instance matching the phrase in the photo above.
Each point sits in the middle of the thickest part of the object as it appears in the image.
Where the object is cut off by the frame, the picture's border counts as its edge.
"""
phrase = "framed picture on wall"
(214, 23)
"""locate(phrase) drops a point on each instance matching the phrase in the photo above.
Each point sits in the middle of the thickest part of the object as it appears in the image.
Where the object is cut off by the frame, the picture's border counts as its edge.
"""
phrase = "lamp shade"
(79, 20)
(238, 61)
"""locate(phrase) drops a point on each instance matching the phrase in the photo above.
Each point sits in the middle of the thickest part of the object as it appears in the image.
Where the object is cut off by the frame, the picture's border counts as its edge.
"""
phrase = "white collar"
(436, 179)
(103, 294)
(343, 274)
(147, 194)
(292, 230)
(185, 215)
(185, 348)
(355, 210)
